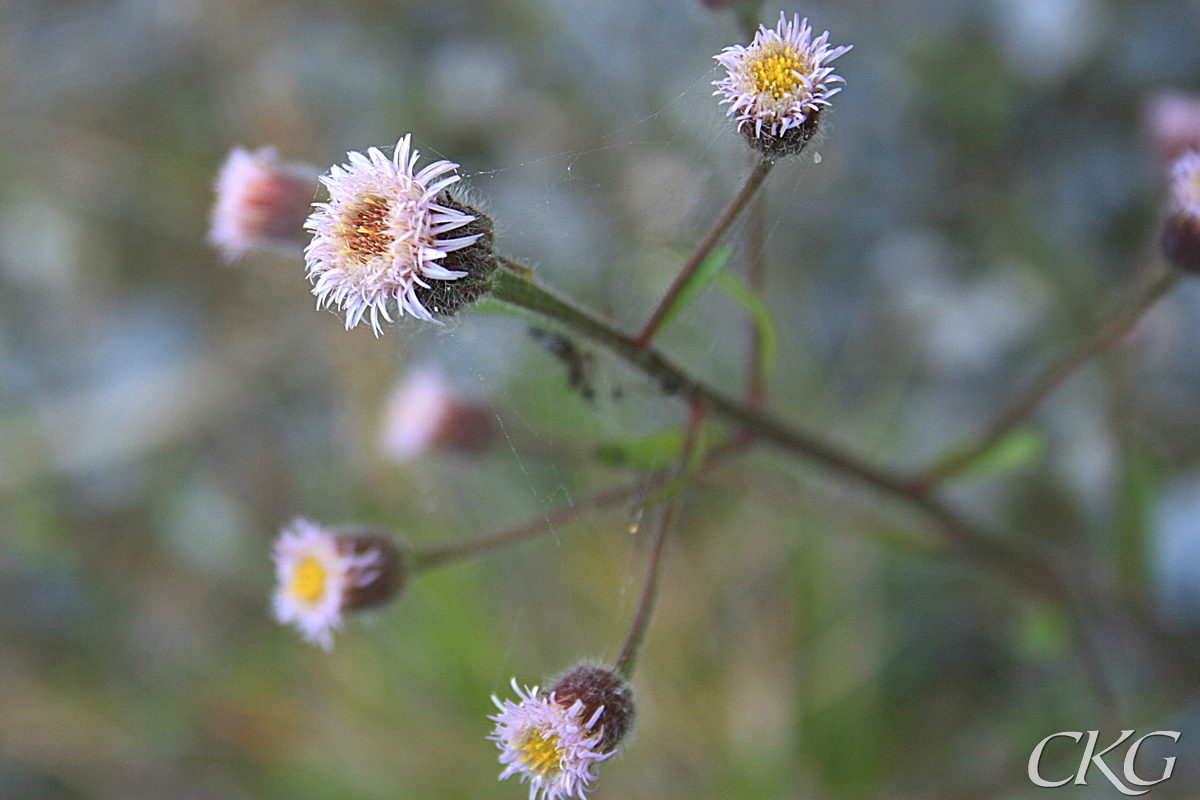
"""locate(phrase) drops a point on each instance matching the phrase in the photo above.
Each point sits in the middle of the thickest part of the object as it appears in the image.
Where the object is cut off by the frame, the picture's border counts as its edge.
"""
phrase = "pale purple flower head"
(777, 86)
(260, 202)
(384, 236)
(1173, 122)
(548, 744)
(1181, 233)
(424, 412)
(321, 574)
(553, 739)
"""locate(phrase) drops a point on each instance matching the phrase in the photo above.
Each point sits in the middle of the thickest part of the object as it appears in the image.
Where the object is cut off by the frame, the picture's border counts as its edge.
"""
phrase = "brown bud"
(598, 688)
(1180, 240)
(377, 572)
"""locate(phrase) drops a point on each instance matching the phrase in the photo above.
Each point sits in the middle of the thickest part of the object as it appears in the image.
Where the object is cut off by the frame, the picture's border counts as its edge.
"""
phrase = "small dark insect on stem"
(578, 362)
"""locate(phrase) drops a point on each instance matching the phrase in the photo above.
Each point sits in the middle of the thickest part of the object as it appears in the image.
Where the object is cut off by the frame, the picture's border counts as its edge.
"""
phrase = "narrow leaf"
(700, 280)
(1020, 447)
(768, 334)
(654, 452)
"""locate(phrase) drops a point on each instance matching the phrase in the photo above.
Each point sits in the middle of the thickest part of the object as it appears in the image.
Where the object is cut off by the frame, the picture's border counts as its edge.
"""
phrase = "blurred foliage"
(985, 193)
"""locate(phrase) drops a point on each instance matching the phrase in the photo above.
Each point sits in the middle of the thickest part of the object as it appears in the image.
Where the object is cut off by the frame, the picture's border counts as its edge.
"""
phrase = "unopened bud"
(1180, 239)
(424, 413)
(261, 202)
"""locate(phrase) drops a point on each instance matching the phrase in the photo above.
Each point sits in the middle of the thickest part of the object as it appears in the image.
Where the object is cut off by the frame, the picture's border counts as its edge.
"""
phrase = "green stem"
(1049, 380)
(421, 560)
(512, 285)
(641, 619)
(762, 168)
(438, 556)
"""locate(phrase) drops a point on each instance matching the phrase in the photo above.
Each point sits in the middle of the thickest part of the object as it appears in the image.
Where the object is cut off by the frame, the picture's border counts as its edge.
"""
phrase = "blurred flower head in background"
(778, 85)
(424, 413)
(260, 202)
(321, 574)
(382, 235)
(1181, 232)
(1172, 120)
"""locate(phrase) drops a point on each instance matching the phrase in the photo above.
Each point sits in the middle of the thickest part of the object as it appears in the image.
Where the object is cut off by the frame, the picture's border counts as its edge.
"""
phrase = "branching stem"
(762, 168)
(1050, 379)
(514, 286)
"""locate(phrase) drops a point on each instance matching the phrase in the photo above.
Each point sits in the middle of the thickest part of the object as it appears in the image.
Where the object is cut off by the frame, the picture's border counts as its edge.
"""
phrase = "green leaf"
(1138, 498)
(1020, 447)
(651, 453)
(1043, 633)
(491, 306)
(699, 280)
(768, 334)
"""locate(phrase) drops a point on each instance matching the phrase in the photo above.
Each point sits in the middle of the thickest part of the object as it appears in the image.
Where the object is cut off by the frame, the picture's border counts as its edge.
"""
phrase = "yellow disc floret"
(775, 73)
(363, 233)
(308, 580)
(540, 752)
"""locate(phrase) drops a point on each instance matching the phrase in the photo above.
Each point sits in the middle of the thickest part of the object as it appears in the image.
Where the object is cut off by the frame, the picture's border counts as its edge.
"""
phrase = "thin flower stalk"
(1053, 376)
(627, 660)
(756, 280)
(433, 557)
(439, 556)
(754, 180)
(513, 285)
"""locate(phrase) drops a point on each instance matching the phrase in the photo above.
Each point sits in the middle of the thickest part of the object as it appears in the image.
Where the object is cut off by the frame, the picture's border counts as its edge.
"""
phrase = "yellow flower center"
(363, 231)
(308, 581)
(774, 73)
(540, 752)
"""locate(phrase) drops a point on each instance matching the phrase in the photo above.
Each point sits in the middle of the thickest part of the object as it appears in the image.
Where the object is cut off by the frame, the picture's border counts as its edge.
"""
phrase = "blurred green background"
(985, 192)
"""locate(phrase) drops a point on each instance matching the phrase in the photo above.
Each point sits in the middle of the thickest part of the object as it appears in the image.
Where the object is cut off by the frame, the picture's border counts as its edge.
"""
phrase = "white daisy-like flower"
(320, 575)
(777, 86)
(550, 744)
(260, 202)
(382, 235)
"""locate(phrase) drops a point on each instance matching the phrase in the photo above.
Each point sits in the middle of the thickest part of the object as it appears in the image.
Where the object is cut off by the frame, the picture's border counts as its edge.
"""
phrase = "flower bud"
(375, 570)
(1172, 121)
(605, 697)
(260, 202)
(424, 413)
(1180, 239)
(553, 739)
(778, 86)
(322, 574)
